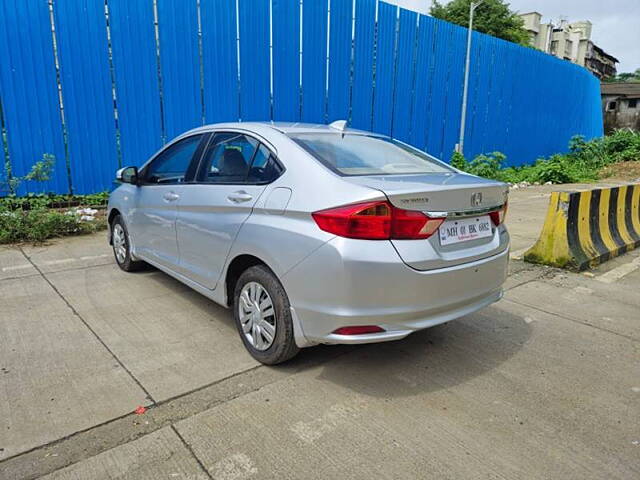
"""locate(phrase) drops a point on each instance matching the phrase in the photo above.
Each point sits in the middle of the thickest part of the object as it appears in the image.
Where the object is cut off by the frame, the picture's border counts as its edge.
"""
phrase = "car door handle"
(240, 197)
(171, 196)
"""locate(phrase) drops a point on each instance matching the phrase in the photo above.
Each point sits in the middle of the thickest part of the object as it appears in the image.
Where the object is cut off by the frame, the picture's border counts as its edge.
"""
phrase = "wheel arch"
(113, 213)
(239, 264)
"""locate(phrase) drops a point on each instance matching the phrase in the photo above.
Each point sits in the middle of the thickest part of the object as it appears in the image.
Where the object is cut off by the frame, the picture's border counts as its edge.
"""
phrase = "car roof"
(287, 128)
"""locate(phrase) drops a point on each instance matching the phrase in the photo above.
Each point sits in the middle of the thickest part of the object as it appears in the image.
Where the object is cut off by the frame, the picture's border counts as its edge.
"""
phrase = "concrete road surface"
(544, 384)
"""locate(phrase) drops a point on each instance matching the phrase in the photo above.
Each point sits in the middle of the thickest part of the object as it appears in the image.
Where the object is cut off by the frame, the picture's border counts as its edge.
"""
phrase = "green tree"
(625, 77)
(492, 17)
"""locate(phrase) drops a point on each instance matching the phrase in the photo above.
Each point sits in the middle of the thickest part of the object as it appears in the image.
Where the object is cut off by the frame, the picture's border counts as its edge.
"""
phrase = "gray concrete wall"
(623, 116)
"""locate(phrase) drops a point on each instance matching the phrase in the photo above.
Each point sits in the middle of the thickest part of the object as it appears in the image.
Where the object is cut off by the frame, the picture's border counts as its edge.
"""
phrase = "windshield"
(354, 154)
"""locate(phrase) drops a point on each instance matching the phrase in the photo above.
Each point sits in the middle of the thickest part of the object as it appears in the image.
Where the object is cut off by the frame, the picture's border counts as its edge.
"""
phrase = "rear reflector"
(377, 221)
(358, 330)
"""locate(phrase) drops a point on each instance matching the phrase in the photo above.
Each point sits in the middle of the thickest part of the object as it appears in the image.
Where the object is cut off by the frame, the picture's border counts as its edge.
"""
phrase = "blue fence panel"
(436, 112)
(495, 121)
(514, 149)
(544, 129)
(592, 126)
(507, 97)
(480, 94)
(575, 109)
(364, 44)
(453, 90)
(339, 60)
(404, 80)
(86, 86)
(180, 65)
(255, 71)
(385, 69)
(136, 77)
(423, 82)
(524, 124)
(29, 92)
(220, 61)
(400, 75)
(286, 60)
(492, 75)
(314, 57)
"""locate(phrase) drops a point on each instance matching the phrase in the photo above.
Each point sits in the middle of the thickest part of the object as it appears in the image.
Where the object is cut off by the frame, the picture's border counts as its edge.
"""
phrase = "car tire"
(262, 294)
(122, 246)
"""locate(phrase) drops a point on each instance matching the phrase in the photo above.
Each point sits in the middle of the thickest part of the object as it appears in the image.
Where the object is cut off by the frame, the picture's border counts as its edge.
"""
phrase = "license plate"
(465, 229)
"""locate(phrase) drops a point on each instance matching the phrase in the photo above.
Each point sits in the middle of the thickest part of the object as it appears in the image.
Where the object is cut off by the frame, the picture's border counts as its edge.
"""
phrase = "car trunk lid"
(463, 199)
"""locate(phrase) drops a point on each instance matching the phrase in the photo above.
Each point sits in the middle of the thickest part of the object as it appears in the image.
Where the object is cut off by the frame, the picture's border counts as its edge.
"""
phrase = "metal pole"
(465, 88)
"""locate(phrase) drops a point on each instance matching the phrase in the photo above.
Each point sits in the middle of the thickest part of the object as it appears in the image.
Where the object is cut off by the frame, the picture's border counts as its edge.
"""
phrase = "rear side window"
(353, 154)
(264, 167)
(234, 158)
(170, 166)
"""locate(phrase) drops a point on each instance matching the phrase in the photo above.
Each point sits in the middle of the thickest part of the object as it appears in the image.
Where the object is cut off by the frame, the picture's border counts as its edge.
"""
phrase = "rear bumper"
(349, 282)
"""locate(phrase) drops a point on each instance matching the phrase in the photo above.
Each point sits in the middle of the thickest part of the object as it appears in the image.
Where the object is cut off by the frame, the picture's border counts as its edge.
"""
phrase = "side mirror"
(127, 175)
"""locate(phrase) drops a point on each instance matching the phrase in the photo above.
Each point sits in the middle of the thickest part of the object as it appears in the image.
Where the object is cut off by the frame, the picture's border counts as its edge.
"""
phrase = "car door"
(153, 220)
(233, 173)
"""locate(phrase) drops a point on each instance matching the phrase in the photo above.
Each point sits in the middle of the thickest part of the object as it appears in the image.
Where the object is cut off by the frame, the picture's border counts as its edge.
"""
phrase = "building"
(621, 105)
(570, 41)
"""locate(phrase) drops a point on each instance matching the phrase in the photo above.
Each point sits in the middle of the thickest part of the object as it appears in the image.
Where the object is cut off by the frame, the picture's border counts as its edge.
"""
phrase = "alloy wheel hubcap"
(257, 316)
(119, 243)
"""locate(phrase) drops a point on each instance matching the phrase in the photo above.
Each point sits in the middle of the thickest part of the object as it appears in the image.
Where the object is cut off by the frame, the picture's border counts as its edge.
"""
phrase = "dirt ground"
(628, 171)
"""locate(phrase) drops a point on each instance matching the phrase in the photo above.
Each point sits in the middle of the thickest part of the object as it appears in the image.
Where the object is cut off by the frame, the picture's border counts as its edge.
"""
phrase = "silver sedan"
(313, 233)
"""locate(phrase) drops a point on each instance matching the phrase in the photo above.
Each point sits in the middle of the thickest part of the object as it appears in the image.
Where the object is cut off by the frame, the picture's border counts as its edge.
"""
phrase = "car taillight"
(499, 215)
(410, 224)
(376, 221)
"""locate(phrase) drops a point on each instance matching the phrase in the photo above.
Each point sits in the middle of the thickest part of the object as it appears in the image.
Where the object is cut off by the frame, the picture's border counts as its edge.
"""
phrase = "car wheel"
(121, 246)
(263, 316)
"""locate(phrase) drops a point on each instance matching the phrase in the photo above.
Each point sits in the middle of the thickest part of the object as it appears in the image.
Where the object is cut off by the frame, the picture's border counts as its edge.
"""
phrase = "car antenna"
(339, 125)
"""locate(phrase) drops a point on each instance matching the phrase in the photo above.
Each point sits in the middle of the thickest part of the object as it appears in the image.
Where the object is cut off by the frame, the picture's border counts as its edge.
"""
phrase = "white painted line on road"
(617, 273)
(95, 257)
(16, 267)
(58, 262)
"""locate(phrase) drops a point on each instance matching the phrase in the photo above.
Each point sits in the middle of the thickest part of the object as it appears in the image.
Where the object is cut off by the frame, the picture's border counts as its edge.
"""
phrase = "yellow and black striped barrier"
(584, 229)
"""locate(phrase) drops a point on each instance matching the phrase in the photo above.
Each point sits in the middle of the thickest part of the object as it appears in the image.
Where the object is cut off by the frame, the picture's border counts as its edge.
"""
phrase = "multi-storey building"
(570, 41)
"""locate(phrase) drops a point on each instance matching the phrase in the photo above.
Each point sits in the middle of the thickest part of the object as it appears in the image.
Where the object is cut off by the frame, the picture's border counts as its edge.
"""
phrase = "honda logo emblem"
(476, 199)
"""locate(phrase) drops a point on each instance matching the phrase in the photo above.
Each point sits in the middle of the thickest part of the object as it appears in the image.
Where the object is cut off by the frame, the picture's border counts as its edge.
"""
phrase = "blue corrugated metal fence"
(101, 84)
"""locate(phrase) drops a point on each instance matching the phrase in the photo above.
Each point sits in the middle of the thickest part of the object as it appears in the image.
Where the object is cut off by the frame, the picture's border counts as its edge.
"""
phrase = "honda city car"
(314, 234)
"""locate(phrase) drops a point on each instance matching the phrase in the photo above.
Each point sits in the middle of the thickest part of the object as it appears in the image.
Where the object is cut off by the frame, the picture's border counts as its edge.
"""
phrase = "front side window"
(354, 154)
(170, 166)
(234, 158)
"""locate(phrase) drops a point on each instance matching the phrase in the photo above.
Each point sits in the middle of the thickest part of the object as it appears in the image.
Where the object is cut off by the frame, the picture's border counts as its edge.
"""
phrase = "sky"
(616, 23)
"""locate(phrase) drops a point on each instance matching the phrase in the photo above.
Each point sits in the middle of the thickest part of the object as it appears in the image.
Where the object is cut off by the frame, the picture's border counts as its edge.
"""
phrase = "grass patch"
(51, 200)
(36, 218)
(582, 164)
(40, 224)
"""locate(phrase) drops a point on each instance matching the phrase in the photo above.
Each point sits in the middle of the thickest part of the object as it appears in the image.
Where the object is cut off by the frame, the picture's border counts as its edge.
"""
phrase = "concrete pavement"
(544, 384)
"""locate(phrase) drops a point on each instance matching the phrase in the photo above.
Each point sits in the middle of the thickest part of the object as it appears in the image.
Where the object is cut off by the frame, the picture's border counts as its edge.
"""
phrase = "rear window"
(351, 154)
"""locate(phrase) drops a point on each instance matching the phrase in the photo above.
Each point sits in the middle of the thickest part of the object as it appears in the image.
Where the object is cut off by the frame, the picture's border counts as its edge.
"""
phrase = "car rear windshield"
(356, 154)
